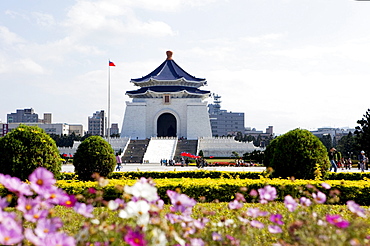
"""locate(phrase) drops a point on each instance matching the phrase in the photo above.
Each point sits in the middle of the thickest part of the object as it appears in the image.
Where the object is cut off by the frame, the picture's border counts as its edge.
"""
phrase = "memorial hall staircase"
(135, 151)
(188, 146)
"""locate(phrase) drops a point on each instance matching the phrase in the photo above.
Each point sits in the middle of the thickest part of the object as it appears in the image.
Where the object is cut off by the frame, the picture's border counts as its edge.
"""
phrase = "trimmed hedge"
(210, 174)
(223, 190)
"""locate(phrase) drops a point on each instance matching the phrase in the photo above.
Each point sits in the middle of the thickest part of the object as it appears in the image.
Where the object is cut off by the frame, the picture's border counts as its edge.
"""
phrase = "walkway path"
(159, 168)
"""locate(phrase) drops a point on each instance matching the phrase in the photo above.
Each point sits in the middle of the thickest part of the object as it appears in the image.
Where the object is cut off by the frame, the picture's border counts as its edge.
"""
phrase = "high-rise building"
(47, 118)
(224, 123)
(23, 116)
(114, 129)
(97, 124)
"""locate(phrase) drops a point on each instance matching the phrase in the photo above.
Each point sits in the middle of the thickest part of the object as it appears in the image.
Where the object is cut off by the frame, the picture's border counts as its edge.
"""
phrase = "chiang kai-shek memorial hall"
(168, 103)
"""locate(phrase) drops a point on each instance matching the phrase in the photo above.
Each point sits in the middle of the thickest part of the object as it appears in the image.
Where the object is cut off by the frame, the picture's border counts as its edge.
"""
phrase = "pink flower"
(60, 239)
(3, 202)
(274, 229)
(15, 185)
(135, 238)
(253, 193)
(290, 203)
(69, 202)
(268, 193)
(11, 232)
(216, 236)
(356, 209)
(326, 186)
(257, 224)
(196, 242)
(235, 205)
(180, 202)
(337, 220)
(319, 197)
(276, 218)
(233, 240)
(41, 179)
(91, 190)
(305, 201)
(239, 197)
(255, 212)
(83, 209)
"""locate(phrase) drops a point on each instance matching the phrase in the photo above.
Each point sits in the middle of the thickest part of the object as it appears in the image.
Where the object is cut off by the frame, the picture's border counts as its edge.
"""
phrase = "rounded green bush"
(94, 155)
(297, 153)
(26, 148)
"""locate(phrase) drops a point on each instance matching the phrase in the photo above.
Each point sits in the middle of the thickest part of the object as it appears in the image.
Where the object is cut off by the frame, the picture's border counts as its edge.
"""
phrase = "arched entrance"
(166, 125)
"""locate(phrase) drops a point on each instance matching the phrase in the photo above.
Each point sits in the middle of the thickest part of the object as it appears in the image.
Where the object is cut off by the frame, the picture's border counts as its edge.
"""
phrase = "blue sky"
(284, 63)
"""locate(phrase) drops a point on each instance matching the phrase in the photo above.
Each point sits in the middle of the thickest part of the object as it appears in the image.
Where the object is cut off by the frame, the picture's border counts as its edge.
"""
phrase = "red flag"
(111, 64)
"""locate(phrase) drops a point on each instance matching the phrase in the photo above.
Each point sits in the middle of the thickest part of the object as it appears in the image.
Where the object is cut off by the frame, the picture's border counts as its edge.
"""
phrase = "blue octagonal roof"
(168, 89)
(168, 71)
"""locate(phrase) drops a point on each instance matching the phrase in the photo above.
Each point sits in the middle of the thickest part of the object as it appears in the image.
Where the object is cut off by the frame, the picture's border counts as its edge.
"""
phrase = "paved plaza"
(159, 168)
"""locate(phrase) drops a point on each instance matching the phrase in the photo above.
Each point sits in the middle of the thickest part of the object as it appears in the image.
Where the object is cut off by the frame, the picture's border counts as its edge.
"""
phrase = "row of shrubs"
(210, 174)
(223, 190)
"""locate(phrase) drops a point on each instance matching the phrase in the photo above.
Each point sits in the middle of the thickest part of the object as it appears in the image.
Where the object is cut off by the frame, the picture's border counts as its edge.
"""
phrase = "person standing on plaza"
(362, 160)
(119, 162)
(332, 155)
(349, 163)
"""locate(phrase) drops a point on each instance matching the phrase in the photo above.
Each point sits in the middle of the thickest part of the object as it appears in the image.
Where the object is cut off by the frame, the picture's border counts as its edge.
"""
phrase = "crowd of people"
(336, 161)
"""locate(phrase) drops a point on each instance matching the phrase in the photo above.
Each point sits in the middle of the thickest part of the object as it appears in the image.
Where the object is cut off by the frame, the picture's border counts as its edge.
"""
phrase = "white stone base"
(141, 116)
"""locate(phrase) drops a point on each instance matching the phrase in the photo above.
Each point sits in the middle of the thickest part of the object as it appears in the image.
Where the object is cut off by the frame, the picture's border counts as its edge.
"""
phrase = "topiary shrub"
(94, 155)
(297, 153)
(26, 148)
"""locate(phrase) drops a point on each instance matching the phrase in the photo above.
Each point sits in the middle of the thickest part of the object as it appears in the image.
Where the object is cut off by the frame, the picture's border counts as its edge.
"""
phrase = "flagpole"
(108, 129)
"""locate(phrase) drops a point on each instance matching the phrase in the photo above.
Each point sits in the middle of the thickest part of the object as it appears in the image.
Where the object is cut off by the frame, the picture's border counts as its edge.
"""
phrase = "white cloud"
(167, 5)
(58, 50)
(27, 65)
(112, 18)
(263, 38)
(45, 20)
(9, 37)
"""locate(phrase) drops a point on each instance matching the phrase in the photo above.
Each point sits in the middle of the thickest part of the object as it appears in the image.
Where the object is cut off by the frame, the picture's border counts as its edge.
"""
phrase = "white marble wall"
(141, 115)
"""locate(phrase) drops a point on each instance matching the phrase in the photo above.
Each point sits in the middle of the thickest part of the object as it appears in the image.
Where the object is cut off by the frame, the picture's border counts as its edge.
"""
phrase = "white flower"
(95, 221)
(142, 190)
(113, 205)
(139, 209)
(159, 237)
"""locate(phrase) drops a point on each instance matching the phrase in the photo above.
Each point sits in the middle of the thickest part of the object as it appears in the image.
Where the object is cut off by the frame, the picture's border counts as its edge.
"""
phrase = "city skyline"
(288, 64)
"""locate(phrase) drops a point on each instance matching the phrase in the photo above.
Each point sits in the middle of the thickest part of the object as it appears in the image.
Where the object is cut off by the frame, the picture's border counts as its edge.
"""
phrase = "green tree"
(348, 146)
(255, 155)
(94, 155)
(297, 153)
(201, 153)
(257, 142)
(239, 137)
(235, 155)
(327, 142)
(363, 132)
(26, 148)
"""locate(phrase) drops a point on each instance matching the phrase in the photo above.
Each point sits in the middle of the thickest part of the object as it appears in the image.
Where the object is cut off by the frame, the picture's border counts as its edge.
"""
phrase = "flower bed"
(142, 219)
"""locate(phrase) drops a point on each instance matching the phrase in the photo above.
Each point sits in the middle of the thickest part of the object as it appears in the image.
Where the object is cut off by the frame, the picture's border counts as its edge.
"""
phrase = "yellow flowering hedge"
(224, 189)
(177, 173)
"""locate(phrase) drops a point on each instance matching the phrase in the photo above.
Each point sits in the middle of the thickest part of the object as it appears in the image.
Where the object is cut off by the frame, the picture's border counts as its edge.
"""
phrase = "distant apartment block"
(97, 124)
(23, 116)
(47, 118)
(114, 129)
(224, 123)
(335, 133)
(76, 129)
(28, 115)
(255, 133)
(56, 128)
